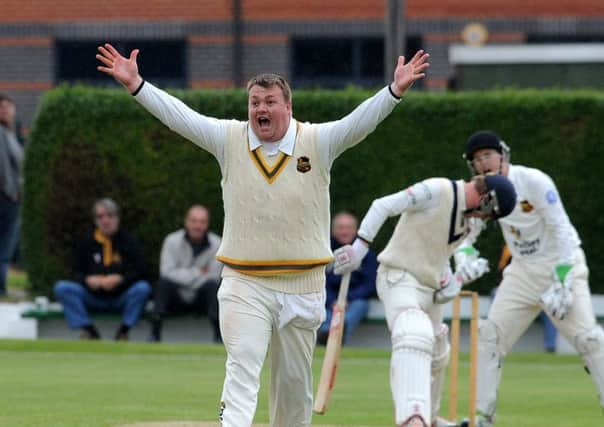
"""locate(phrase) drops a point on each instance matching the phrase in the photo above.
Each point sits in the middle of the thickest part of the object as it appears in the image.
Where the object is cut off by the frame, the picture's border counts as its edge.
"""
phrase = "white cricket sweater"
(276, 215)
(424, 239)
(538, 230)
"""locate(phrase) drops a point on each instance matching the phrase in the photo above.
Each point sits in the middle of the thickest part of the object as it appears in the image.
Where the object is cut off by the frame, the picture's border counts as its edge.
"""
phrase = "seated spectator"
(108, 275)
(189, 273)
(362, 281)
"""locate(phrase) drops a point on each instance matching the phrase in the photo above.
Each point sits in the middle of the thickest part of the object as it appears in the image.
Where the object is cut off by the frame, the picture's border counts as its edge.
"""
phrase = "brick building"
(220, 43)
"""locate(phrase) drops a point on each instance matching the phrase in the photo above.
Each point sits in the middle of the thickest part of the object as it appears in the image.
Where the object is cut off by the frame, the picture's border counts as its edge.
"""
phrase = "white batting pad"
(412, 344)
(440, 360)
(489, 367)
(591, 347)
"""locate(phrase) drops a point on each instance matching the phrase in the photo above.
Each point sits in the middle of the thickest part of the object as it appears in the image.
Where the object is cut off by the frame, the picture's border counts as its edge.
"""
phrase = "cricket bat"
(332, 349)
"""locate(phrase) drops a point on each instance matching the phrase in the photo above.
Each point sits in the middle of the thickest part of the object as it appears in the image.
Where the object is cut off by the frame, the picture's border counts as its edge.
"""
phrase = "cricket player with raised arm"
(275, 245)
(415, 278)
(547, 271)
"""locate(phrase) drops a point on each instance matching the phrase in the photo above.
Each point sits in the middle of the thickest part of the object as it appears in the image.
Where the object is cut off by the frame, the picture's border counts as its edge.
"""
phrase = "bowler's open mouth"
(264, 122)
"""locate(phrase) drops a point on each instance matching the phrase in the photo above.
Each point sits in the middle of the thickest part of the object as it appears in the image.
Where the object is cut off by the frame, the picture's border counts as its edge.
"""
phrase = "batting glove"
(472, 269)
(450, 286)
(558, 298)
(464, 254)
(348, 258)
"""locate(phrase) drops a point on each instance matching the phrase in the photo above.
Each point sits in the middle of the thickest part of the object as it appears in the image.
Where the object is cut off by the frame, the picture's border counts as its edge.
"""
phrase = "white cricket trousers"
(251, 318)
(515, 307)
(516, 303)
(399, 290)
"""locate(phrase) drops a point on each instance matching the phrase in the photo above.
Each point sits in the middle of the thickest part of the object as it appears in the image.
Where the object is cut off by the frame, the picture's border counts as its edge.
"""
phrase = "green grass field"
(69, 383)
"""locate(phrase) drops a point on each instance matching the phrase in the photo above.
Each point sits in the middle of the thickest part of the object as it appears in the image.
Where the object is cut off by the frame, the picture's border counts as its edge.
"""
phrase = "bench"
(373, 332)
(55, 311)
(375, 314)
(50, 323)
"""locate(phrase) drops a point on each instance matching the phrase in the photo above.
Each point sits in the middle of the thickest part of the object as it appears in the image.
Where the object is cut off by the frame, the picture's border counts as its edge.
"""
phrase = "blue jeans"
(9, 226)
(77, 301)
(355, 312)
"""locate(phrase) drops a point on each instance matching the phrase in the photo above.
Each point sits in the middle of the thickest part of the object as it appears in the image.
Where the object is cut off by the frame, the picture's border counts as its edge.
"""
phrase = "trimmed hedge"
(88, 143)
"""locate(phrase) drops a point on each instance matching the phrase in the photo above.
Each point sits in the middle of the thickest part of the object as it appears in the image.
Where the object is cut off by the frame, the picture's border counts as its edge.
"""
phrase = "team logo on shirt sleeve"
(303, 164)
(551, 197)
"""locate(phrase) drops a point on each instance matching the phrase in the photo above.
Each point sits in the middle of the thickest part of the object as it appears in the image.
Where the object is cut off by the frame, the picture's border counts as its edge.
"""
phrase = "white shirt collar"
(285, 144)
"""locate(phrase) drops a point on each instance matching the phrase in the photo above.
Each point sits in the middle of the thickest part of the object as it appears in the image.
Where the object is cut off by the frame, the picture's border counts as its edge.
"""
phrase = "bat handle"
(343, 294)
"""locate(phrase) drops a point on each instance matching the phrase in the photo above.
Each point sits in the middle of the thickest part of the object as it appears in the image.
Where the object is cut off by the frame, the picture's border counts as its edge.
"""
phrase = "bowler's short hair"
(268, 80)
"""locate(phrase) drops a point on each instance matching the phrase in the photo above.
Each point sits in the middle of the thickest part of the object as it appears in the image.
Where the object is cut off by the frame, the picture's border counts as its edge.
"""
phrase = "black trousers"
(168, 301)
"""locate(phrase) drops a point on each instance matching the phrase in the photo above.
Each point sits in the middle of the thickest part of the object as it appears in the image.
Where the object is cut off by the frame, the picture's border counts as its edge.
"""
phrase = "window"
(163, 61)
(338, 62)
(538, 65)
(322, 62)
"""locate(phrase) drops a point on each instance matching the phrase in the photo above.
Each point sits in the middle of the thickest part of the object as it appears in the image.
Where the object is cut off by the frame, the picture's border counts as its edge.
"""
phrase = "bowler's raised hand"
(406, 74)
(122, 69)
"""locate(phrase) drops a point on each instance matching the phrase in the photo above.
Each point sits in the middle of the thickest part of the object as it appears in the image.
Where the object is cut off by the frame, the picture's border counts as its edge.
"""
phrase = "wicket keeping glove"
(558, 298)
(348, 258)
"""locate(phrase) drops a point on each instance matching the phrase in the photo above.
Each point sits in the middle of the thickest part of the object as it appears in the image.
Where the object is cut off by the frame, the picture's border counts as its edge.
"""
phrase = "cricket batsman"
(414, 278)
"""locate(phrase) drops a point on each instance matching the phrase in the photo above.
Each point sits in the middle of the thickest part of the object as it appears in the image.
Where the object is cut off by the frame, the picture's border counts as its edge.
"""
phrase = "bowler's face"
(268, 113)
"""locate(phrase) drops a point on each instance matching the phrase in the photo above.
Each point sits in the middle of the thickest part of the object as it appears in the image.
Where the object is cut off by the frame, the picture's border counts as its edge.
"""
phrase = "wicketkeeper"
(548, 271)
(415, 278)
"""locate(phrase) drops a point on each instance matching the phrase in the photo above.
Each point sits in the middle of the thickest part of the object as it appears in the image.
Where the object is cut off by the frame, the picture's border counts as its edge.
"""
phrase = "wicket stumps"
(454, 358)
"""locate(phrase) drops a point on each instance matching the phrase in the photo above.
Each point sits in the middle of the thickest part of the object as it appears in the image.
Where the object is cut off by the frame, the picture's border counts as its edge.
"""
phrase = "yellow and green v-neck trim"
(269, 173)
